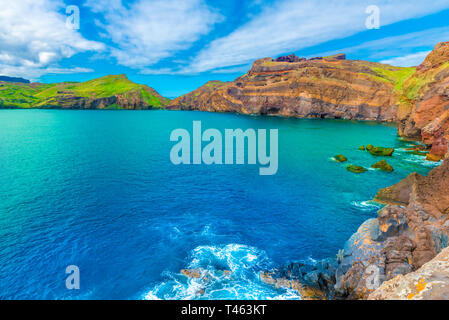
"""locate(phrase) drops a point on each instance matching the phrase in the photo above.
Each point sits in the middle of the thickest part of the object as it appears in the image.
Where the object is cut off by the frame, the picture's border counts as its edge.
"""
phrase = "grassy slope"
(40, 95)
(410, 84)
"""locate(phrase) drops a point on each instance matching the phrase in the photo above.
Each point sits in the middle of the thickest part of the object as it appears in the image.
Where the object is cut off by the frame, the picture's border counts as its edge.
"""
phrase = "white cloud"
(34, 38)
(400, 45)
(146, 32)
(293, 25)
(409, 60)
(402, 50)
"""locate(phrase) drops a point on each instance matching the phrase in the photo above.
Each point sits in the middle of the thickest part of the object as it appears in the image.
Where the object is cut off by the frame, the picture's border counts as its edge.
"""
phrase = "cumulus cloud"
(34, 38)
(147, 31)
(293, 25)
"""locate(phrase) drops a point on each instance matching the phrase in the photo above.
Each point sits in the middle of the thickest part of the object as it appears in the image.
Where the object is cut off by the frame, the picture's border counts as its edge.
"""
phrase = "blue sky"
(176, 46)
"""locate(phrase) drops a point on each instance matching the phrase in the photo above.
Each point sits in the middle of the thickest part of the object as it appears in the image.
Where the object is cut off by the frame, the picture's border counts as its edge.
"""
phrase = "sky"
(175, 46)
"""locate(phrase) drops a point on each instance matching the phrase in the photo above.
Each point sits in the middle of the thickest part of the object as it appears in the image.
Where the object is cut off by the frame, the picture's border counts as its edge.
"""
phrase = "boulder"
(192, 273)
(381, 151)
(290, 58)
(430, 282)
(362, 148)
(340, 158)
(356, 169)
(433, 157)
(383, 165)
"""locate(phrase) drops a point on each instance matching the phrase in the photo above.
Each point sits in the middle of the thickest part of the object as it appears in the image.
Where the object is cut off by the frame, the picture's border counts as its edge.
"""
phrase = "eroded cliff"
(333, 87)
(330, 87)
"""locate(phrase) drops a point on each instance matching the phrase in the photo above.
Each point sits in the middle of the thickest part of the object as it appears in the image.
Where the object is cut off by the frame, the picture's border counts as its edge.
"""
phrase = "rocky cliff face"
(430, 282)
(424, 102)
(329, 87)
(333, 87)
(409, 232)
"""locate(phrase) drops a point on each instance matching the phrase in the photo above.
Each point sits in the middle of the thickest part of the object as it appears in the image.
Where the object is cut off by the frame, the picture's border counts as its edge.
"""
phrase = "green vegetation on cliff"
(111, 92)
(396, 75)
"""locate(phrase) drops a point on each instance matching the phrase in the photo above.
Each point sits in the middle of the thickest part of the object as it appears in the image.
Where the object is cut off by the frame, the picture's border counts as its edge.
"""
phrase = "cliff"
(424, 102)
(330, 87)
(333, 87)
(408, 233)
(109, 92)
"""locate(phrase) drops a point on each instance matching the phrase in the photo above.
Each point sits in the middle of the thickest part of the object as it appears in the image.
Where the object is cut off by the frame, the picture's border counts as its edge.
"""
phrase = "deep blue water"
(97, 189)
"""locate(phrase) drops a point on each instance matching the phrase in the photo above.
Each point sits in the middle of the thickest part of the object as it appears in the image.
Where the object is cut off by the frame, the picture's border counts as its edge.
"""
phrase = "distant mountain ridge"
(13, 79)
(109, 92)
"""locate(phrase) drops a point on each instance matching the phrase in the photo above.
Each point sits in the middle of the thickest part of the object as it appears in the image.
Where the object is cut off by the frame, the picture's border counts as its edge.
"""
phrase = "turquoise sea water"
(97, 189)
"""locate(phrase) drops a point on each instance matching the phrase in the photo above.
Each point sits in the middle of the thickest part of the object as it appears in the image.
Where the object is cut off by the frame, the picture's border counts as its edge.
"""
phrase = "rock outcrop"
(411, 230)
(424, 102)
(290, 58)
(430, 282)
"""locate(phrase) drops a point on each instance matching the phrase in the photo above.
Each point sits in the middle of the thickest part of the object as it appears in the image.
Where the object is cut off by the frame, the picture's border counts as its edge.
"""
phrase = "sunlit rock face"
(409, 232)
(430, 282)
(329, 87)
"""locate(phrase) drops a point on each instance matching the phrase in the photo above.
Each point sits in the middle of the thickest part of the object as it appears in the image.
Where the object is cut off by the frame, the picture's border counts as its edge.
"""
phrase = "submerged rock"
(356, 169)
(191, 273)
(383, 165)
(340, 158)
(306, 292)
(418, 153)
(433, 157)
(381, 151)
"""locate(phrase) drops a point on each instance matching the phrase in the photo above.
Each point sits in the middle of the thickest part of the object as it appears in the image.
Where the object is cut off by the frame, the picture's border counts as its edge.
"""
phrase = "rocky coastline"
(402, 253)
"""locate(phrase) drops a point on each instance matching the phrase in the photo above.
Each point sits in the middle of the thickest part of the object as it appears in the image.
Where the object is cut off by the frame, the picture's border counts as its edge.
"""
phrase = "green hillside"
(114, 91)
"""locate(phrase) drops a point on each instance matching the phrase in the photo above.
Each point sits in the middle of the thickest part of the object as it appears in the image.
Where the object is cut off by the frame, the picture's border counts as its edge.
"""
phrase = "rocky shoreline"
(400, 254)
(409, 232)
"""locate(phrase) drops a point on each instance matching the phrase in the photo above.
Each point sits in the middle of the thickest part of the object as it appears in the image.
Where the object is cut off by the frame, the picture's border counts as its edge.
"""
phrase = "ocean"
(97, 189)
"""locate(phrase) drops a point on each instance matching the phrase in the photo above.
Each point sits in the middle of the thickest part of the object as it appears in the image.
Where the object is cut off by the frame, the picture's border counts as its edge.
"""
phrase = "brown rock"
(191, 273)
(408, 233)
(290, 58)
(430, 282)
(308, 89)
(437, 57)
